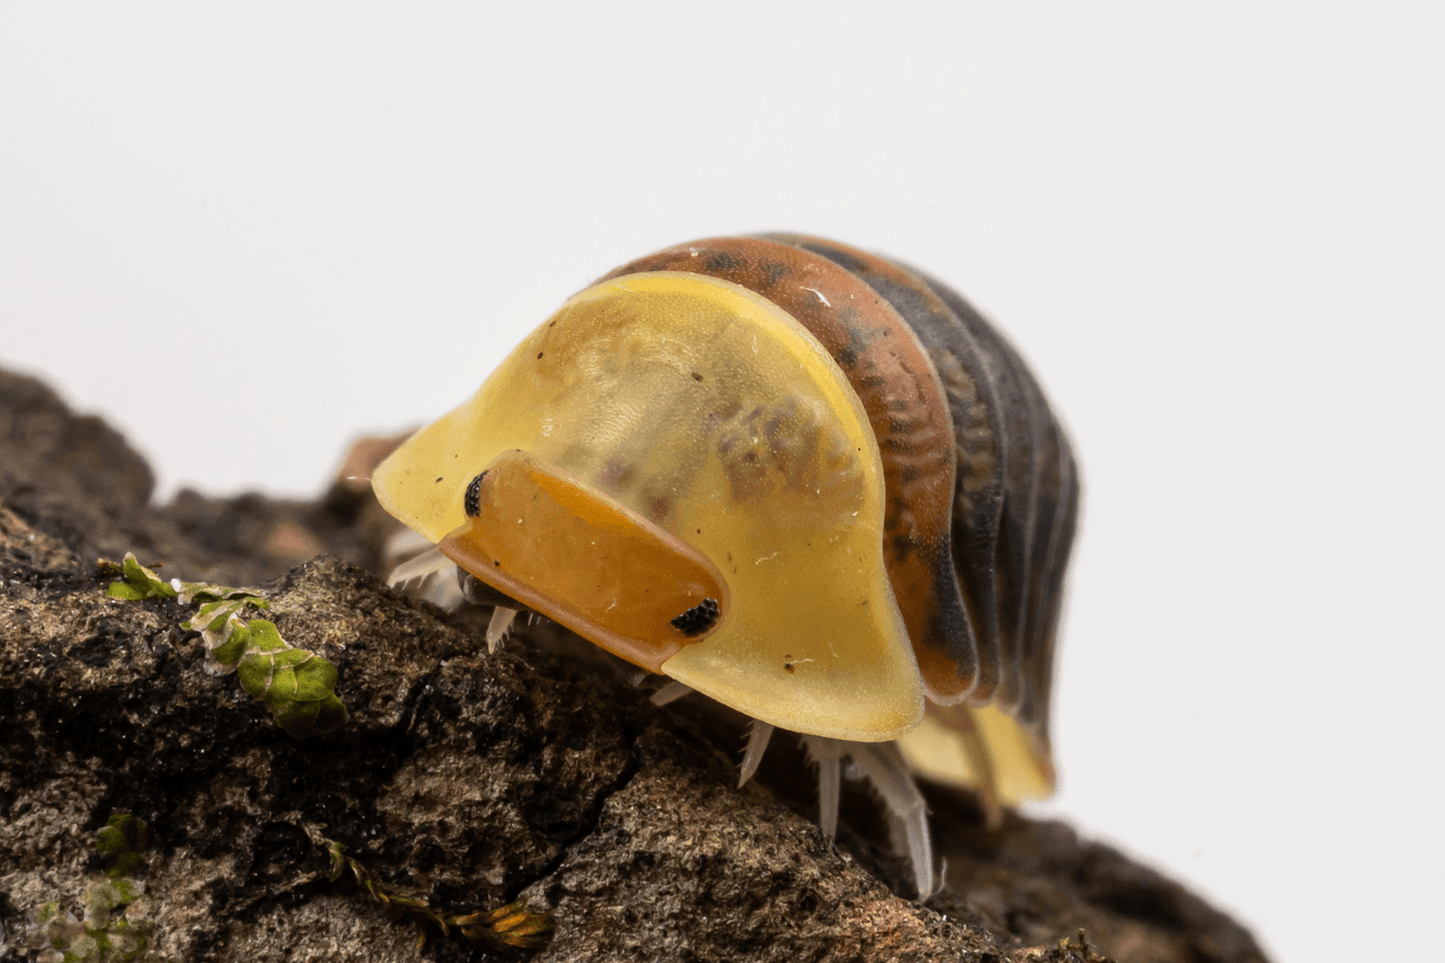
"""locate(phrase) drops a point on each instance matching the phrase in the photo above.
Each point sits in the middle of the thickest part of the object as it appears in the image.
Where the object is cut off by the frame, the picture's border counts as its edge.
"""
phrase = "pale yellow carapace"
(794, 476)
(691, 407)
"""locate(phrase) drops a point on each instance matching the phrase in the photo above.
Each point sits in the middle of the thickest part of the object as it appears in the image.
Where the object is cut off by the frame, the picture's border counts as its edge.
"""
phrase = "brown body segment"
(969, 376)
(1040, 510)
(902, 394)
(1018, 488)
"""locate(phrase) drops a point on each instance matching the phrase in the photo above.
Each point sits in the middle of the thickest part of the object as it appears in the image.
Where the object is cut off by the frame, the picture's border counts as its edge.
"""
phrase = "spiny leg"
(421, 566)
(500, 624)
(827, 753)
(885, 768)
(758, 735)
(424, 575)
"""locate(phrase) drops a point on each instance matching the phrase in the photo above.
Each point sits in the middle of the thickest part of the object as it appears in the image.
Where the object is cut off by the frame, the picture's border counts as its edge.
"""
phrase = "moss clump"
(299, 687)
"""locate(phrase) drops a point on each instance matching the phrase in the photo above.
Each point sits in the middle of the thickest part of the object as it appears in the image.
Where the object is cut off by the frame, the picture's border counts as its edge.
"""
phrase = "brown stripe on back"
(970, 380)
(1040, 495)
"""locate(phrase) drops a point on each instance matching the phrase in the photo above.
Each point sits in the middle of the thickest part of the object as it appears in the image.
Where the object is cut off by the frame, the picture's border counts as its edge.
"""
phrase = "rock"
(462, 781)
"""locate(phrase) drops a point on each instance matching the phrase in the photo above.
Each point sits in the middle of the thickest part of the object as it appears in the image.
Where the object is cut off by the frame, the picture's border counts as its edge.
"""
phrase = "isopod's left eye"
(585, 561)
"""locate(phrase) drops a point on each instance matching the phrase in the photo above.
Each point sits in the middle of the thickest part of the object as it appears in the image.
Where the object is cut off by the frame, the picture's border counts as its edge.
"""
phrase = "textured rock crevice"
(463, 779)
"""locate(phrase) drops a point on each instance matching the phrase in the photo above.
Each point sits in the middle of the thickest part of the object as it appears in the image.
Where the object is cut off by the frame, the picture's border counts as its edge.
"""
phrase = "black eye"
(698, 619)
(471, 501)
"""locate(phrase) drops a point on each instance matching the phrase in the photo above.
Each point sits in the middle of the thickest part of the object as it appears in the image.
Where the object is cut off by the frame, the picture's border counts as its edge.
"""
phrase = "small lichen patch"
(117, 921)
(121, 843)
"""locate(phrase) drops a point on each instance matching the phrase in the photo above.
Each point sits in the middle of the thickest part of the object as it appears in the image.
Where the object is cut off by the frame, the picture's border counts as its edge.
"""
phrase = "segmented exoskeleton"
(805, 480)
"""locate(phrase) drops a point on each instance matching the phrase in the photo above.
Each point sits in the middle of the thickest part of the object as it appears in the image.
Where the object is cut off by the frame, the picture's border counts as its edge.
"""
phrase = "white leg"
(884, 766)
(427, 563)
(498, 627)
(758, 735)
(428, 575)
(420, 565)
(827, 753)
(671, 692)
(442, 591)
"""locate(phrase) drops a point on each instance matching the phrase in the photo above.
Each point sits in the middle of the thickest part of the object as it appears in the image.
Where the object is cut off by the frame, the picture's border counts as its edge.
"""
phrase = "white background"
(246, 235)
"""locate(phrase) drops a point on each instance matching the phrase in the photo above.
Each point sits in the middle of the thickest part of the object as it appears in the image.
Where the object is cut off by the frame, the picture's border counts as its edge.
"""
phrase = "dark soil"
(461, 780)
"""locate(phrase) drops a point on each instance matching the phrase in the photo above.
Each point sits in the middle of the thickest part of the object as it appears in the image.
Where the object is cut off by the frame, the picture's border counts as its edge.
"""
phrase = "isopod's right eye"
(572, 553)
(698, 619)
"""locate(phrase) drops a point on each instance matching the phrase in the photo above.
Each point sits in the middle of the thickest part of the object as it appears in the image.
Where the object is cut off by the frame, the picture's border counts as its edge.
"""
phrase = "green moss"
(139, 582)
(299, 687)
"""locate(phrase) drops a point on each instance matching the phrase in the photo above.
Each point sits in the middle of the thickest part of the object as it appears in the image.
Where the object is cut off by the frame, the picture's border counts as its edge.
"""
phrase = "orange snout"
(585, 561)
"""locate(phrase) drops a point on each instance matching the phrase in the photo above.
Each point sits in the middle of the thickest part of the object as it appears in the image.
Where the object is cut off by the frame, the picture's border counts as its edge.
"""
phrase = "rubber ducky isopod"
(798, 478)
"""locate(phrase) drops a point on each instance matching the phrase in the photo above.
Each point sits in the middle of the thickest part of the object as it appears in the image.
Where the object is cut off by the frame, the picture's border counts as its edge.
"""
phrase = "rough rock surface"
(461, 779)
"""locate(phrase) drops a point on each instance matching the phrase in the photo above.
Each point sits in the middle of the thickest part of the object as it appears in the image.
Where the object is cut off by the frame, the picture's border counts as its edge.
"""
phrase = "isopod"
(801, 479)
